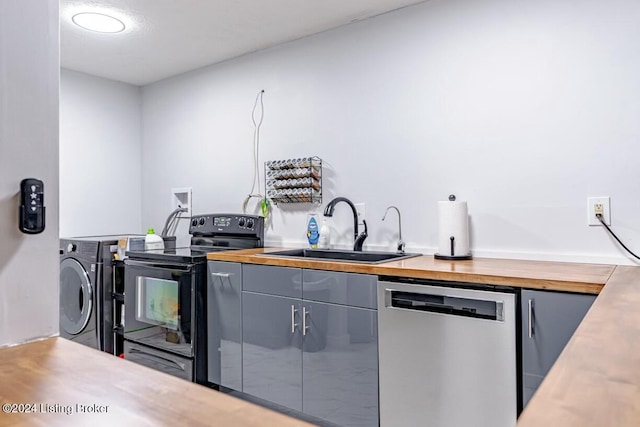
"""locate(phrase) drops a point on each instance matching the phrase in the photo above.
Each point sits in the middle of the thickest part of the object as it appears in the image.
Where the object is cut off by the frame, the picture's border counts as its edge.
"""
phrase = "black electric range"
(165, 295)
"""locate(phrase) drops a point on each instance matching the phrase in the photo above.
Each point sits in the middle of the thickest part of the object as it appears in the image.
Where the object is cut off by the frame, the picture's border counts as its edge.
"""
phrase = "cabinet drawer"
(281, 281)
(225, 277)
(356, 290)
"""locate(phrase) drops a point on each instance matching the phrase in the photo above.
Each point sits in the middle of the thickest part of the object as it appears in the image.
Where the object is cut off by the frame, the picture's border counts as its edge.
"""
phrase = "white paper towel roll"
(453, 222)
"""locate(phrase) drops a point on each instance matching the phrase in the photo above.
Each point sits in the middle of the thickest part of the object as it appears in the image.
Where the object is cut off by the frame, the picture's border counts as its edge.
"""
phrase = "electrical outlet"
(181, 198)
(598, 205)
(598, 209)
(360, 210)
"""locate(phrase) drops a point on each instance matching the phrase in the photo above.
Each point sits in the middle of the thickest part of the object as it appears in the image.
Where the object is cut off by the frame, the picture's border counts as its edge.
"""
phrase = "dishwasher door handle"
(444, 304)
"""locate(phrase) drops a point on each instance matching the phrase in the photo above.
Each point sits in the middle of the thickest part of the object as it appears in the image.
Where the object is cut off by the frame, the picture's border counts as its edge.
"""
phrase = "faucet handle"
(357, 246)
(400, 247)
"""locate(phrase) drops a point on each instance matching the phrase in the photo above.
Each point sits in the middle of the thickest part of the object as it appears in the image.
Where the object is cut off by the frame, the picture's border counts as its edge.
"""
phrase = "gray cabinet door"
(271, 348)
(224, 324)
(549, 319)
(340, 364)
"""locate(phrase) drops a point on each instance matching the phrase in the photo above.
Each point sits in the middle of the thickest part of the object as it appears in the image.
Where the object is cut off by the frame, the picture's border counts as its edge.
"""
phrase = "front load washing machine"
(86, 290)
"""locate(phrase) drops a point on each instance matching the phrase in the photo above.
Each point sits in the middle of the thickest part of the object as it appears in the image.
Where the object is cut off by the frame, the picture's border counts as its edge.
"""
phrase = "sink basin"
(341, 255)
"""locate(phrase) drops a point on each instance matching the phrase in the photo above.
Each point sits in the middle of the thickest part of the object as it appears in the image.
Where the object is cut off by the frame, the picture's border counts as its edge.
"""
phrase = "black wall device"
(31, 206)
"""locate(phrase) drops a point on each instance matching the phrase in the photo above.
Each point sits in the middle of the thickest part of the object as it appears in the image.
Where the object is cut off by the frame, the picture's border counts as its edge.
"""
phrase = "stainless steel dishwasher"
(447, 356)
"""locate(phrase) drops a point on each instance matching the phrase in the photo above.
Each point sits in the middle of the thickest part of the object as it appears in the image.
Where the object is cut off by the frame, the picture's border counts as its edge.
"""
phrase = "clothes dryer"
(86, 290)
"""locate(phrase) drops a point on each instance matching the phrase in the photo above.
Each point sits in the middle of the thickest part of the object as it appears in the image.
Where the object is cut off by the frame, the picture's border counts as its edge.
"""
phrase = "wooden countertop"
(559, 276)
(57, 375)
(596, 379)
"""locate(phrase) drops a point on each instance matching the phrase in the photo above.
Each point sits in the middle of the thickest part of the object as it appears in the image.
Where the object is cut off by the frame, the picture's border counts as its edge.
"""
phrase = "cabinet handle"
(304, 321)
(293, 319)
(221, 276)
(152, 356)
(531, 316)
(225, 275)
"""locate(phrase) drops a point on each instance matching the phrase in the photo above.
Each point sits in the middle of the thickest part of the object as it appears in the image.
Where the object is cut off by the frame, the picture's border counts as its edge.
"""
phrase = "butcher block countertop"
(596, 380)
(56, 382)
(558, 276)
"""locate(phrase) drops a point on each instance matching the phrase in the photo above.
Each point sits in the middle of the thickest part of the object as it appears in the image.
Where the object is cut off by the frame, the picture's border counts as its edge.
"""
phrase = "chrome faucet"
(400, 242)
(358, 238)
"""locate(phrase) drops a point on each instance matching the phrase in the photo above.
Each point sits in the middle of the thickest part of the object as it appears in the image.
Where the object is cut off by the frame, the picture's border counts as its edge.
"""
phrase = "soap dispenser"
(325, 235)
(312, 231)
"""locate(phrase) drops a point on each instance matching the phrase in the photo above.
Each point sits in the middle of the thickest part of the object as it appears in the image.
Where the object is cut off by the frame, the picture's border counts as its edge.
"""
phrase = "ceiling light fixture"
(98, 22)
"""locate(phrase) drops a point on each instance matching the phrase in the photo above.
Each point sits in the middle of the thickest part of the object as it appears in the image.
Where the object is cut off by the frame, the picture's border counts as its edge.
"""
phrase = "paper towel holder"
(452, 256)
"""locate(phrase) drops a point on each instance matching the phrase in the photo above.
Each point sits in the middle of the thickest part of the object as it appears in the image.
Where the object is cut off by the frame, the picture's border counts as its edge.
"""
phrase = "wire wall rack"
(294, 180)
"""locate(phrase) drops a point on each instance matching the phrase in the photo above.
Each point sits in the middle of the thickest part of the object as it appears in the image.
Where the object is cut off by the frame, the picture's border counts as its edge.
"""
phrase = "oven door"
(159, 301)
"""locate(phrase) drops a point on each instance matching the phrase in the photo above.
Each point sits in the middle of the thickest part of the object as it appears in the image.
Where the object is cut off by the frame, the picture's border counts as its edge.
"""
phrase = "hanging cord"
(599, 216)
(256, 140)
(170, 220)
(174, 225)
(264, 204)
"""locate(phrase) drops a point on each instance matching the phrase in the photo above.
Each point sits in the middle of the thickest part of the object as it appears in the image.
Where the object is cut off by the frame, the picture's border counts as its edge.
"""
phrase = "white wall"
(100, 133)
(524, 109)
(29, 75)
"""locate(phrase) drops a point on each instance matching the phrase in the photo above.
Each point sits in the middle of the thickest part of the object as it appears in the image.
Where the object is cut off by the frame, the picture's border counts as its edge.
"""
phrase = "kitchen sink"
(369, 257)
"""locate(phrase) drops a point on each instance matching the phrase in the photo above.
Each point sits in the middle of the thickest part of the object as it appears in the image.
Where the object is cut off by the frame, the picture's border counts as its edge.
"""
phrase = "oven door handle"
(158, 265)
(180, 366)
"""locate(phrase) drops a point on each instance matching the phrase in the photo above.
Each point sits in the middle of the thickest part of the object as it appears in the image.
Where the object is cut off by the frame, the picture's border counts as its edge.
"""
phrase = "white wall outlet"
(181, 198)
(361, 211)
(598, 205)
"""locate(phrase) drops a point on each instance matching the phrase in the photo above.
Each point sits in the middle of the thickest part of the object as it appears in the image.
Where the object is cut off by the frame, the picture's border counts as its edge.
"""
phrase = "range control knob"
(194, 222)
(241, 222)
(250, 223)
(201, 221)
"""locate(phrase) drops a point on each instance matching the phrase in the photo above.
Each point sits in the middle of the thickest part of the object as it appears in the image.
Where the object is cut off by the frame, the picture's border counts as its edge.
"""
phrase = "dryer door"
(76, 296)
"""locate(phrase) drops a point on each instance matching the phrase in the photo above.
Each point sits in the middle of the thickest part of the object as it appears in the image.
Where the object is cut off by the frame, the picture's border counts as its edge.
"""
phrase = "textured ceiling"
(168, 37)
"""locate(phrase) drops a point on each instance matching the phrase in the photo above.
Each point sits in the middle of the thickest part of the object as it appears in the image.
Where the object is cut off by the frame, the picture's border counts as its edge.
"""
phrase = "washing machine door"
(76, 296)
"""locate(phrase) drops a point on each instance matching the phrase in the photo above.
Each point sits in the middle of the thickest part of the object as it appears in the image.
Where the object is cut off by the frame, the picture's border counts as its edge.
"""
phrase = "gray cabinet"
(340, 364)
(549, 319)
(340, 347)
(271, 355)
(224, 324)
(271, 348)
(310, 342)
